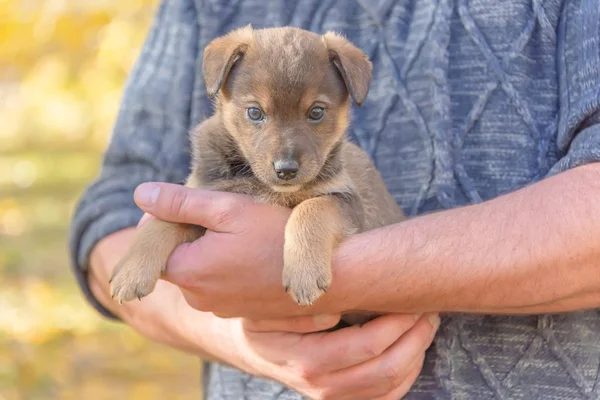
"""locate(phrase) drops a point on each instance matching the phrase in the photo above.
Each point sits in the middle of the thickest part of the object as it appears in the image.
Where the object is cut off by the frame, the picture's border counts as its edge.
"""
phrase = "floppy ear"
(221, 55)
(353, 64)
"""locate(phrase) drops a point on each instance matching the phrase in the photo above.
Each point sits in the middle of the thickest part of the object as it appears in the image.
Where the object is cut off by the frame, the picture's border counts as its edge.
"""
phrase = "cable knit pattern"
(470, 99)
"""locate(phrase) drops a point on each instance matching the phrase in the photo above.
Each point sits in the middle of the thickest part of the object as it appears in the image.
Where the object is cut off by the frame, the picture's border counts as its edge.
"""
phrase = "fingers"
(333, 351)
(396, 393)
(304, 324)
(408, 382)
(176, 203)
(387, 372)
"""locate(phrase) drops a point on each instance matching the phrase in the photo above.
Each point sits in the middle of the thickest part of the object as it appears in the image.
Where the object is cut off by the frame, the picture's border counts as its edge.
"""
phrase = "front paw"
(304, 282)
(134, 277)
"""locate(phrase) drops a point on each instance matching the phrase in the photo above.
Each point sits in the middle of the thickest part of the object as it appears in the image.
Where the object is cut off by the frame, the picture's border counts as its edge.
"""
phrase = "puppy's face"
(284, 96)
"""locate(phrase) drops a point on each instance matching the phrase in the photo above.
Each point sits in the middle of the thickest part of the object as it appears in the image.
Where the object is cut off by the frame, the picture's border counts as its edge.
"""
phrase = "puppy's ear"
(353, 64)
(221, 55)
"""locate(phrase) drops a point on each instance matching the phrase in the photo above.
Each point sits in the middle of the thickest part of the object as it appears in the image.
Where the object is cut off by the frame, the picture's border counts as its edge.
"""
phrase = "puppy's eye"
(316, 114)
(255, 114)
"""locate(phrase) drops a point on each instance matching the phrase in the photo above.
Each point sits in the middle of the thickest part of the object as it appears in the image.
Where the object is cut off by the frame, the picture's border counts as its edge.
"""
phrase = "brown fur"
(337, 191)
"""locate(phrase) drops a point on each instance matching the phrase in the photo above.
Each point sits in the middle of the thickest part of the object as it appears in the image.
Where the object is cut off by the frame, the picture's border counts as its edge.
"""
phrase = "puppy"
(282, 99)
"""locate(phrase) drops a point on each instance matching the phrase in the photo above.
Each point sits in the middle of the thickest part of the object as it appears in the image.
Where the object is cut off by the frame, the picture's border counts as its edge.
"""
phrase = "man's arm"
(163, 316)
(536, 250)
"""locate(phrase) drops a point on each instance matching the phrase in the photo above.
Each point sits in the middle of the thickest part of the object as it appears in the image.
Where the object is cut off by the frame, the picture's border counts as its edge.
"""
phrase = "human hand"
(379, 360)
(235, 269)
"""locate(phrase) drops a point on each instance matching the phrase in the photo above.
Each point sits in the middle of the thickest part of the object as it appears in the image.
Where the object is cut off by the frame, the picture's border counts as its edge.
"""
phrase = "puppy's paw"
(304, 283)
(134, 277)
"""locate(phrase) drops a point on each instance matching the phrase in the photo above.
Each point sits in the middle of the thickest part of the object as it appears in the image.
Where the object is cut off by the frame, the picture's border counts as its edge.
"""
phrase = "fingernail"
(434, 319)
(417, 316)
(324, 319)
(146, 194)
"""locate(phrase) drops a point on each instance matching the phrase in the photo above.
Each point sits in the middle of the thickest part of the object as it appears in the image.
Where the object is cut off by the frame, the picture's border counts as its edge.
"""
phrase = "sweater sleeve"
(578, 59)
(149, 141)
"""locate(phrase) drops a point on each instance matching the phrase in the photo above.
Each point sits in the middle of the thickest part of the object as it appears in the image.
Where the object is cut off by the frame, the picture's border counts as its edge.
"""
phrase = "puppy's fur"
(284, 73)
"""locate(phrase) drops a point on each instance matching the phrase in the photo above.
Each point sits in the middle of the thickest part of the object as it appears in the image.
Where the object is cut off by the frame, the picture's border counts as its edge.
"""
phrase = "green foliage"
(62, 69)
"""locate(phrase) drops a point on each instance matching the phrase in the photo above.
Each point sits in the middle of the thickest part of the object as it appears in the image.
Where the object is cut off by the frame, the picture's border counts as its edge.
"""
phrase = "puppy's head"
(284, 95)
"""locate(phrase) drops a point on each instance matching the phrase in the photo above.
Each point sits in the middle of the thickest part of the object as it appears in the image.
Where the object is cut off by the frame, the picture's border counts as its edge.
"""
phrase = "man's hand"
(379, 360)
(235, 269)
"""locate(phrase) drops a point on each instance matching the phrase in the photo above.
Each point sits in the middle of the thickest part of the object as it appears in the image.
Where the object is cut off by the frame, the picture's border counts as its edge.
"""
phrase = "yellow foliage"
(62, 70)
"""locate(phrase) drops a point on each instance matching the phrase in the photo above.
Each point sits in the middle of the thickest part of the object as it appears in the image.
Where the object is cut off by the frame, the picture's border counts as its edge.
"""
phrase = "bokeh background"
(62, 69)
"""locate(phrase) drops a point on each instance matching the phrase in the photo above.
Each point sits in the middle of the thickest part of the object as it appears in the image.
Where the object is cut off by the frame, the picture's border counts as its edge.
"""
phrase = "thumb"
(216, 211)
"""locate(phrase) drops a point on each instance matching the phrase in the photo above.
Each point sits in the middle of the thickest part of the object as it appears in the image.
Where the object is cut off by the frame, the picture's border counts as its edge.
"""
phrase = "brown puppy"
(278, 134)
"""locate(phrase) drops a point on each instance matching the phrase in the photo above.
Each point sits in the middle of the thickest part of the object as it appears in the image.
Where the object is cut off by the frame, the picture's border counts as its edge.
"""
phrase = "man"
(485, 111)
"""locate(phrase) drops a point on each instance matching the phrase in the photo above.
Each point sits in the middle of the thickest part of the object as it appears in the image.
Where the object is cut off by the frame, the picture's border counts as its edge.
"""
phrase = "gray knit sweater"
(470, 99)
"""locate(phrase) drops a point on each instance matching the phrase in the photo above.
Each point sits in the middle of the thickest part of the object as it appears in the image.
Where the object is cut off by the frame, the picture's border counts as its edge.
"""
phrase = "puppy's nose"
(286, 169)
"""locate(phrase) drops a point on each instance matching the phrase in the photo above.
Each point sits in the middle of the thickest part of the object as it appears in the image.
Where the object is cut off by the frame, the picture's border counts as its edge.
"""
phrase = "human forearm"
(534, 250)
(146, 317)
(163, 316)
(104, 255)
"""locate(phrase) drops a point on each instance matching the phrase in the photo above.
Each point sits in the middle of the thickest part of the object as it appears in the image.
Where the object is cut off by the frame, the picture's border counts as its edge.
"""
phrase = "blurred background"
(62, 69)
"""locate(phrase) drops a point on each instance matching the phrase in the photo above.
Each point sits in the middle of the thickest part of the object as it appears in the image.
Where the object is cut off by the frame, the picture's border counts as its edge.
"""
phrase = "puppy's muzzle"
(286, 169)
